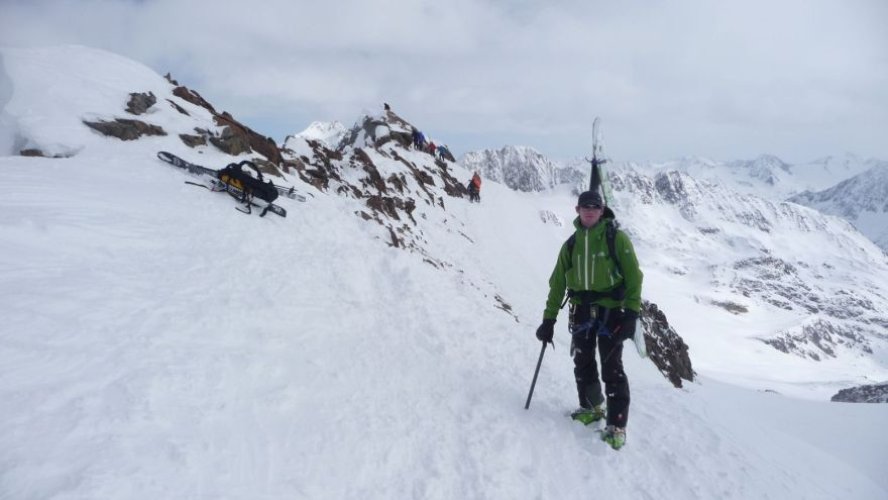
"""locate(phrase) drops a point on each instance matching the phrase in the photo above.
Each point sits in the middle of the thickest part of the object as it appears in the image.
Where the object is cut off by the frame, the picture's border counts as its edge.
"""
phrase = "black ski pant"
(587, 333)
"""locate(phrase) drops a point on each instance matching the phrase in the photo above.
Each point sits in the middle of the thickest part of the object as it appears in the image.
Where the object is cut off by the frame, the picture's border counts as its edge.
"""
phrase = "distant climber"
(444, 153)
(418, 140)
(474, 188)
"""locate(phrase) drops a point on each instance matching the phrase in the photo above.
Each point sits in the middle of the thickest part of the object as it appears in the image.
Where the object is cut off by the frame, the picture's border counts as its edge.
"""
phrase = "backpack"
(250, 186)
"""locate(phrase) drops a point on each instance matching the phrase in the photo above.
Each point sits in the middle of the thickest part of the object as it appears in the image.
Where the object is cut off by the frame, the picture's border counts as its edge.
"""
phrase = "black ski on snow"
(289, 192)
(217, 185)
(190, 167)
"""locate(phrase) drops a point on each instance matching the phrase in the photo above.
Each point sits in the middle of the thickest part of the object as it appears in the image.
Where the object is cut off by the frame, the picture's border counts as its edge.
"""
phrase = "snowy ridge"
(156, 343)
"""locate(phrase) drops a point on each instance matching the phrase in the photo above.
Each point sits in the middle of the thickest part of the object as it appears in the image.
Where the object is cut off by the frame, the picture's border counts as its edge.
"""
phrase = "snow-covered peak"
(768, 169)
(330, 133)
(522, 168)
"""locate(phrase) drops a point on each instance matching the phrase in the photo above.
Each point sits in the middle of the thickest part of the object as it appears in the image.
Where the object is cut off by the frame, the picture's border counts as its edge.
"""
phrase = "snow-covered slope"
(157, 343)
(54, 90)
(862, 199)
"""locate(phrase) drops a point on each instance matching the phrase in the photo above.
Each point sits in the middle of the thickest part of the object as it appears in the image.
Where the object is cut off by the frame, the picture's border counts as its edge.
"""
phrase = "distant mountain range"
(862, 199)
(847, 186)
(520, 167)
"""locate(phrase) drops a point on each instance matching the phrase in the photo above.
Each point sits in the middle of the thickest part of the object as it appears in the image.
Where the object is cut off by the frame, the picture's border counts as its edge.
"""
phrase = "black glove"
(626, 328)
(546, 330)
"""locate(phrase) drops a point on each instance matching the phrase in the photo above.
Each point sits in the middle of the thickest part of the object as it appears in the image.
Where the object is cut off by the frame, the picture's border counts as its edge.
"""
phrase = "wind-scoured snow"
(157, 343)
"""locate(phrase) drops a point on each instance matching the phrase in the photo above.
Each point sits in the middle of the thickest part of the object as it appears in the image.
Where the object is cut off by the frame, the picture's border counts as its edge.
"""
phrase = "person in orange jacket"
(475, 188)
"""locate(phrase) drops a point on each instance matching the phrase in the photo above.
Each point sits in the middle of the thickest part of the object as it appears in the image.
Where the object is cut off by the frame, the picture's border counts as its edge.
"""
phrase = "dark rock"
(192, 141)
(265, 146)
(373, 179)
(231, 142)
(193, 97)
(266, 167)
(731, 307)
(178, 108)
(665, 346)
(140, 102)
(876, 393)
(123, 129)
(38, 153)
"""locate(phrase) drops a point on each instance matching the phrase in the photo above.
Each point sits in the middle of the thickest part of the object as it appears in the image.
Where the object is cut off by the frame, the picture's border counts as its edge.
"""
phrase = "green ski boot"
(588, 415)
(614, 436)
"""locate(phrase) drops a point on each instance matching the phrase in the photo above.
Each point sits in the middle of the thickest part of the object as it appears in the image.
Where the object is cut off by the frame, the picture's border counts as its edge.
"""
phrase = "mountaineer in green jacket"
(598, 269)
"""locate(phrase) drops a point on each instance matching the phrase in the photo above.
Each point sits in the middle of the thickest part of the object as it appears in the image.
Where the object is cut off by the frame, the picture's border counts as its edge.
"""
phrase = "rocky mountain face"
(862, 200)
(874, 393)
(374, 161)
(519, 167)
(778, 254)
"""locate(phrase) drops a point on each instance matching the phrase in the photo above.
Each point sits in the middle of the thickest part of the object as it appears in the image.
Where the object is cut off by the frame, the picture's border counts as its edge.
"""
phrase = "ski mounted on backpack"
(243, 181)
(598, 182)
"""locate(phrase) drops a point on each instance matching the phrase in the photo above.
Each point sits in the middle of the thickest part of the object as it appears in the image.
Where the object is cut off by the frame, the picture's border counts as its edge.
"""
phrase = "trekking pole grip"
(535, 373)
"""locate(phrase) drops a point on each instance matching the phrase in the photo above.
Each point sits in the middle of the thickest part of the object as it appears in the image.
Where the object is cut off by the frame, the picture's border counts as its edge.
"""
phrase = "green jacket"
(593, 269)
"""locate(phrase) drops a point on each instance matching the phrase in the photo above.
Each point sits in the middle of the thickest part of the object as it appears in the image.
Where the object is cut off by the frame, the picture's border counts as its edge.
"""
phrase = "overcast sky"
(724, 79)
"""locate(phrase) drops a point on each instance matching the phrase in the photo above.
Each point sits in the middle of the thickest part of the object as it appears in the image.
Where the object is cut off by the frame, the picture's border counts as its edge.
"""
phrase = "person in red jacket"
(475, 188)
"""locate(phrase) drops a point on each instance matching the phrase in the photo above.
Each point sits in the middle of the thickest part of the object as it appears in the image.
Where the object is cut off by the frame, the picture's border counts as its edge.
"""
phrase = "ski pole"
(535, 373)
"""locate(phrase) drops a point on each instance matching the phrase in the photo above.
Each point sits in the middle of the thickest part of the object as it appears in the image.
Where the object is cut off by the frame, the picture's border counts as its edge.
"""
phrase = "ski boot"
(614, 436)
(588, 415)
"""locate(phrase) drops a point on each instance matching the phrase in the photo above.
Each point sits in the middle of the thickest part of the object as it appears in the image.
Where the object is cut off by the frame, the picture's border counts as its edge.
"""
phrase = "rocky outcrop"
(375, 162)
(665, 346)
(265, 146)
(230, 142)
(178, 108)
(192, 141)
(140, 102)
(124, 129)
(876, 393)
(193, 97)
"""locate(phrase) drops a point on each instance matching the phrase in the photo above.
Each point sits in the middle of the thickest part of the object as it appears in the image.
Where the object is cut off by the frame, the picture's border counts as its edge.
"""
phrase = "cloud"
(727, 79)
